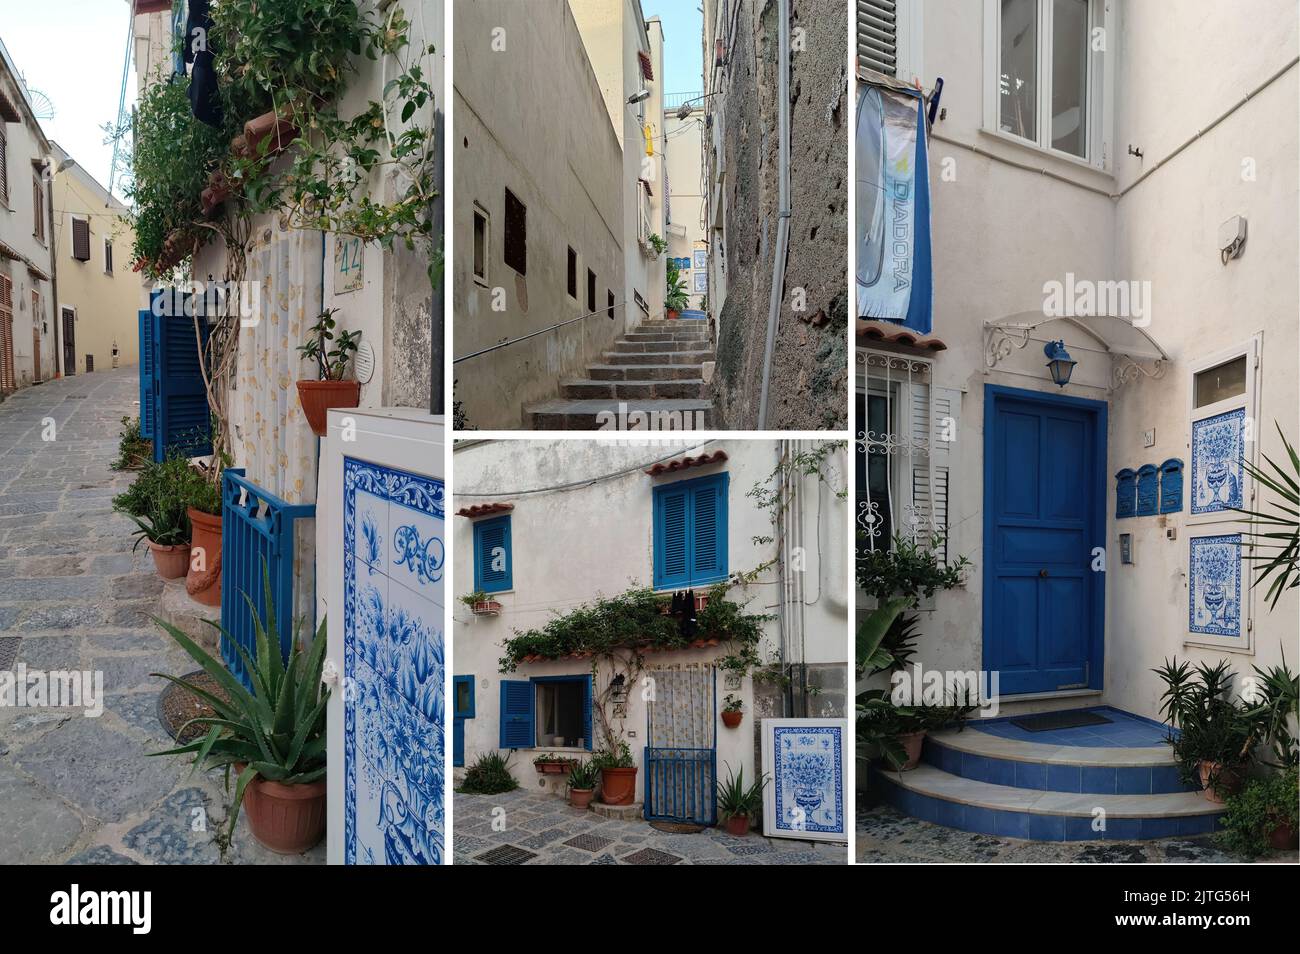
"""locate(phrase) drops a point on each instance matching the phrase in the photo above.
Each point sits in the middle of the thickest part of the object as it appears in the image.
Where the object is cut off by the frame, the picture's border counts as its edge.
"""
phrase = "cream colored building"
(98, 291)
(684, 227)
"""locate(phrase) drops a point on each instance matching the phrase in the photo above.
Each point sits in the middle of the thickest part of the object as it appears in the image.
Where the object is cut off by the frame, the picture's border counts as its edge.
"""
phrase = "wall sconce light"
(1059, 362)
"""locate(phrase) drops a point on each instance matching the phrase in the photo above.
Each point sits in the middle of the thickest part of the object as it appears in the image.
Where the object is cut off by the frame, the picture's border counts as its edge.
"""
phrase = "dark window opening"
(609, 297)
(516, 234)
(573, 274)
(591, 292)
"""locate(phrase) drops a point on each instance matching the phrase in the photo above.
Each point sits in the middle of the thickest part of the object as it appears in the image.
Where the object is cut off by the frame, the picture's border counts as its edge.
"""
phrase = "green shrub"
(133, 450)
(490, 775)
(1264, 804)
(584, 776)
(158, 498)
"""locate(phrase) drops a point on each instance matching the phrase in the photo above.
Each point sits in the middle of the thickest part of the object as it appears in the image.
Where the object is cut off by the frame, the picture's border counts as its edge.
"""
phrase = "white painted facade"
(1209, 98)
(582, 527)
(683, 152)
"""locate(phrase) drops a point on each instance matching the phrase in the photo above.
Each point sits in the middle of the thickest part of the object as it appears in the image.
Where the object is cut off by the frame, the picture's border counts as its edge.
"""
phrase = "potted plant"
(1263, 815)
(738, 803)
(273, 736)
(203, 581)
(480, 605)
(675, 297)
(550, 763)
(617, 774)
(156, 502)
(733, 710)
(331, 390)
(133, 450)
(583, 777)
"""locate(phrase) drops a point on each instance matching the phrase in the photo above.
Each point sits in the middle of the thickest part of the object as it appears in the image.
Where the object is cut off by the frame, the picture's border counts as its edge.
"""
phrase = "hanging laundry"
(204, 99)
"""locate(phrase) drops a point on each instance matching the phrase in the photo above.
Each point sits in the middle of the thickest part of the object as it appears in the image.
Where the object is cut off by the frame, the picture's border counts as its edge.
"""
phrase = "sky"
(72, 51)
(683, 29)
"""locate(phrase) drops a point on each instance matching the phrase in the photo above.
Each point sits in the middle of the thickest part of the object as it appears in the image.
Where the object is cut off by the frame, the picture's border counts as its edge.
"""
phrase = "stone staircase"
(654, 375)
(980, 782)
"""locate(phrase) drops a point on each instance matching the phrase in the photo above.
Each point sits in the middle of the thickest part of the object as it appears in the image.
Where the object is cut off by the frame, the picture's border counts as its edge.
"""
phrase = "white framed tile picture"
(1217, 598)
(804, 762)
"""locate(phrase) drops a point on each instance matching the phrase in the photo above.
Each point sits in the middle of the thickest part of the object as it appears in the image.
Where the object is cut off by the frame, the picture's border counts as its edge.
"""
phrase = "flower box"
(487, 608)
(555, 766)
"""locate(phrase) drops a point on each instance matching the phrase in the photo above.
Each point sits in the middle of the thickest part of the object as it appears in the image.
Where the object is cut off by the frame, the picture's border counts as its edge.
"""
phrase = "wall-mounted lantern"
(1059, 362)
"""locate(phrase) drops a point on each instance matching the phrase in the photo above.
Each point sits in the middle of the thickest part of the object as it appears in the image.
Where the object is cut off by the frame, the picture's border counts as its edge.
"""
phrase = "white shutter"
(878, 35)
(935, 415)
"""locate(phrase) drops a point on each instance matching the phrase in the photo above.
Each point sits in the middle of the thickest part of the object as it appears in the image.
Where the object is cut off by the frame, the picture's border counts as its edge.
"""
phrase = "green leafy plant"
(1275, 534)
(549, 757)
(275, 732)
(736, 799)
(584, 776)
(472, 599)
(489, 775)
(911, 569)
(158, 498)
(658, 243)
(675, 297)
(1262, 806)
(332, 362)
(616, 755)
(133, 450)
(1213, 726)
(1276, 697)
(733, 703)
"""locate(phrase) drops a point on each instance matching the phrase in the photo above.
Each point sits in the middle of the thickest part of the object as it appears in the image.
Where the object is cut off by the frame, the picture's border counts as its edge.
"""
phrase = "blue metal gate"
(257, 529)
(681, 756)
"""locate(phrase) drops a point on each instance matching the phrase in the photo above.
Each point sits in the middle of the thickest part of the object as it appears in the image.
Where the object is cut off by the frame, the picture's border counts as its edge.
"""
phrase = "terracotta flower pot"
(172, 562)
(580, 797)
(672, 315)
(617, 786)
(553, 768)
(737, 825)
(288, 819)
(487, 608)
(204, 586)
(280, 132)
(1283, 837)
(1227, 784)
(317, 397)
(732, 719)
(911, 743)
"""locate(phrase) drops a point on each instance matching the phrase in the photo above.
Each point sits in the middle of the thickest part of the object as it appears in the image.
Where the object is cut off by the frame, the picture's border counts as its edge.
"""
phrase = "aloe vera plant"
(277, 731)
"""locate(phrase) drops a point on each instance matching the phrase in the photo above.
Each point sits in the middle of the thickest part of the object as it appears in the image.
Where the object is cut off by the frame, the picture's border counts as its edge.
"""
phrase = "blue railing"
(681, 785)
(257, 529)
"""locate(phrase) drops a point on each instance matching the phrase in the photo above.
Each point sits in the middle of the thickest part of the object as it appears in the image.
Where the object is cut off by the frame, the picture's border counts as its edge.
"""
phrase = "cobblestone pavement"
(544, 830)
(75, 788)
(885, 836)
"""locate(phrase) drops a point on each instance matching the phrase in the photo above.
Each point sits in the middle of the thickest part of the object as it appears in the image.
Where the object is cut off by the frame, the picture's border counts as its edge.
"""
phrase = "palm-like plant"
(1275, 533)
(735, 798)
(277, 731)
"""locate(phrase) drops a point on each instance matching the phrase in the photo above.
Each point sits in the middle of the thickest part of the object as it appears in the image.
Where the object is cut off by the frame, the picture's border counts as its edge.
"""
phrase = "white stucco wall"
(568, 546)
(685, 183)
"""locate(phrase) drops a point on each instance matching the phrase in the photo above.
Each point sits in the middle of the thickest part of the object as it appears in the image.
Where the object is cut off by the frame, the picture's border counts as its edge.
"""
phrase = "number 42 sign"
(348, 274)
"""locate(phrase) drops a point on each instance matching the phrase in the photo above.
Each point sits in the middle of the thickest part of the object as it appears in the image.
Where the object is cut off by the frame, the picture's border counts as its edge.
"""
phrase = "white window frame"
(478, 210)
(108, 251)
(1223, 522)
(1100, 84)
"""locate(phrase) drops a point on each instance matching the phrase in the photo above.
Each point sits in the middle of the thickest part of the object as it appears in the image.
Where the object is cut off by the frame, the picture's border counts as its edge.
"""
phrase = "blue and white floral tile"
(414, 632)
(370, 538)
(416, 554)
(808, 778)
(1215, 585)
(1218, 448)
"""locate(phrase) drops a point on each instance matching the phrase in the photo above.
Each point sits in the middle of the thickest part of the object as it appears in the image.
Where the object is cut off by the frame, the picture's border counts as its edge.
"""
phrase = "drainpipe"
(54, 271)
(783, 190)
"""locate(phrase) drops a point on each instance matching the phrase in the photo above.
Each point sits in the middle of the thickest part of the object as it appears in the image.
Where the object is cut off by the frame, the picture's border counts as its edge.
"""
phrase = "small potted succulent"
(733, 710)
(582, 783)
(738, 803)
(317, 397)
(550, 763)
(480, 604)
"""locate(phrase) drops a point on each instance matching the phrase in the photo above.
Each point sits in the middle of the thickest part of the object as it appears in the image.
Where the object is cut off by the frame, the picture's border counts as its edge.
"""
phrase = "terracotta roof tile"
(875, 331)
(484, 510)
(683, 463)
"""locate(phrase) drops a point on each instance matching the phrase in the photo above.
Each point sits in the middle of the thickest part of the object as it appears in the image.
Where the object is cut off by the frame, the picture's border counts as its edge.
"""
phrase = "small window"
(875, 502)
(38, 210)
(591, 292)
(609, 298)
(516, 234)
(690, 532)
(81, 239)
(563, 713)
(4, 168)
(108, 257)
(480, 244)
(493, 568)
(573, 274)
(1018, 69)
(1220, 383)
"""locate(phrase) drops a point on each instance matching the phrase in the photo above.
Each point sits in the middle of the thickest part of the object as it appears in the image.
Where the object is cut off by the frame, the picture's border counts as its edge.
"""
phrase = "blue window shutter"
(586, 712)
(147, 372)
(516, 714)
(672, 540)
(182, 419)
(460, 714)
(491, 536)
(709, 530)
(458, 742)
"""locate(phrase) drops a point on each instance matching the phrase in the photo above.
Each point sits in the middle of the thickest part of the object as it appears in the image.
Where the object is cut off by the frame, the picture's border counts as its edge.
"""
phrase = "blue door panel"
(1044, 497)
(147, 373)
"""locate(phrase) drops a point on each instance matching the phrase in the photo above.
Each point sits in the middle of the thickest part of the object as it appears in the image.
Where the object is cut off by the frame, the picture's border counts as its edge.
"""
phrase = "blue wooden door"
(147, 372)
(462, 709)
(1044, 492)
(181, 418)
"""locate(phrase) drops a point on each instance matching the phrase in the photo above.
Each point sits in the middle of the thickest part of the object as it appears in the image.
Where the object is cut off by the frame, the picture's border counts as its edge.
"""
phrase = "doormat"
(176, 706)
(8, 651)
(1048, 721)
(676, 828)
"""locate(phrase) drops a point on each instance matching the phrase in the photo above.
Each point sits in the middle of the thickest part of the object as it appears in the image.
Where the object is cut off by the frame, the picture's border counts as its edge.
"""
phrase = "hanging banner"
(893, 208)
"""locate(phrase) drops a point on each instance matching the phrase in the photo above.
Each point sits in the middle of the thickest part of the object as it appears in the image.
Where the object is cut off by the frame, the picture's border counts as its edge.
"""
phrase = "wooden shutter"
(708, 561)
(147, 359)
(671, 523)
(4, 167)
(182, 420)
(878, 35)
(516, 714)
(81, 239)
(586, 712)
(691, 532)
(490, 536)
(38, 209)
(7, 382)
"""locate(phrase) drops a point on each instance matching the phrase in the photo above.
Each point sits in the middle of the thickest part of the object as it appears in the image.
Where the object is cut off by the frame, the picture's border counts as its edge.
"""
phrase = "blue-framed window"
(690, 532)
(493, 561)
(462, 709)
(537, 712)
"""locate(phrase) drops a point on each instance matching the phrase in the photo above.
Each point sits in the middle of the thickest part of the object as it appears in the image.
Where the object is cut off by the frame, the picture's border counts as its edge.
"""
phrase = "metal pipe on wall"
(783, 201)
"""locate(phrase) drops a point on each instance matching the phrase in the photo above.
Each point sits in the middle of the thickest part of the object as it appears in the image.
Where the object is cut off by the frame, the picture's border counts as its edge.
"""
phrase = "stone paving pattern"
(72, 788)
(544, 824)
(885, 836)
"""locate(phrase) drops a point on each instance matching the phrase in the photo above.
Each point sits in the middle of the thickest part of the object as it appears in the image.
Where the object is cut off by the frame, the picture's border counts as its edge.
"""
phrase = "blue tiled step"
(936, 796)
(1072, 769)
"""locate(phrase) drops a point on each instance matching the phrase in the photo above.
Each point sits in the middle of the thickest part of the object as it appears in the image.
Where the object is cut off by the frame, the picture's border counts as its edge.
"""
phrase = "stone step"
(624, 347)
(663, 336)
(584, 415)
(936, 796)
(632, 389)
(658, 357)
(633, 811)
(676, 323)
(642, 372)
(193, 619)
(1075, 769)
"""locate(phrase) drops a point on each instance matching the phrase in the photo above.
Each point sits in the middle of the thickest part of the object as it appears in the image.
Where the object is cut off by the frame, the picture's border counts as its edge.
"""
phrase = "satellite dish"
(42, 105)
